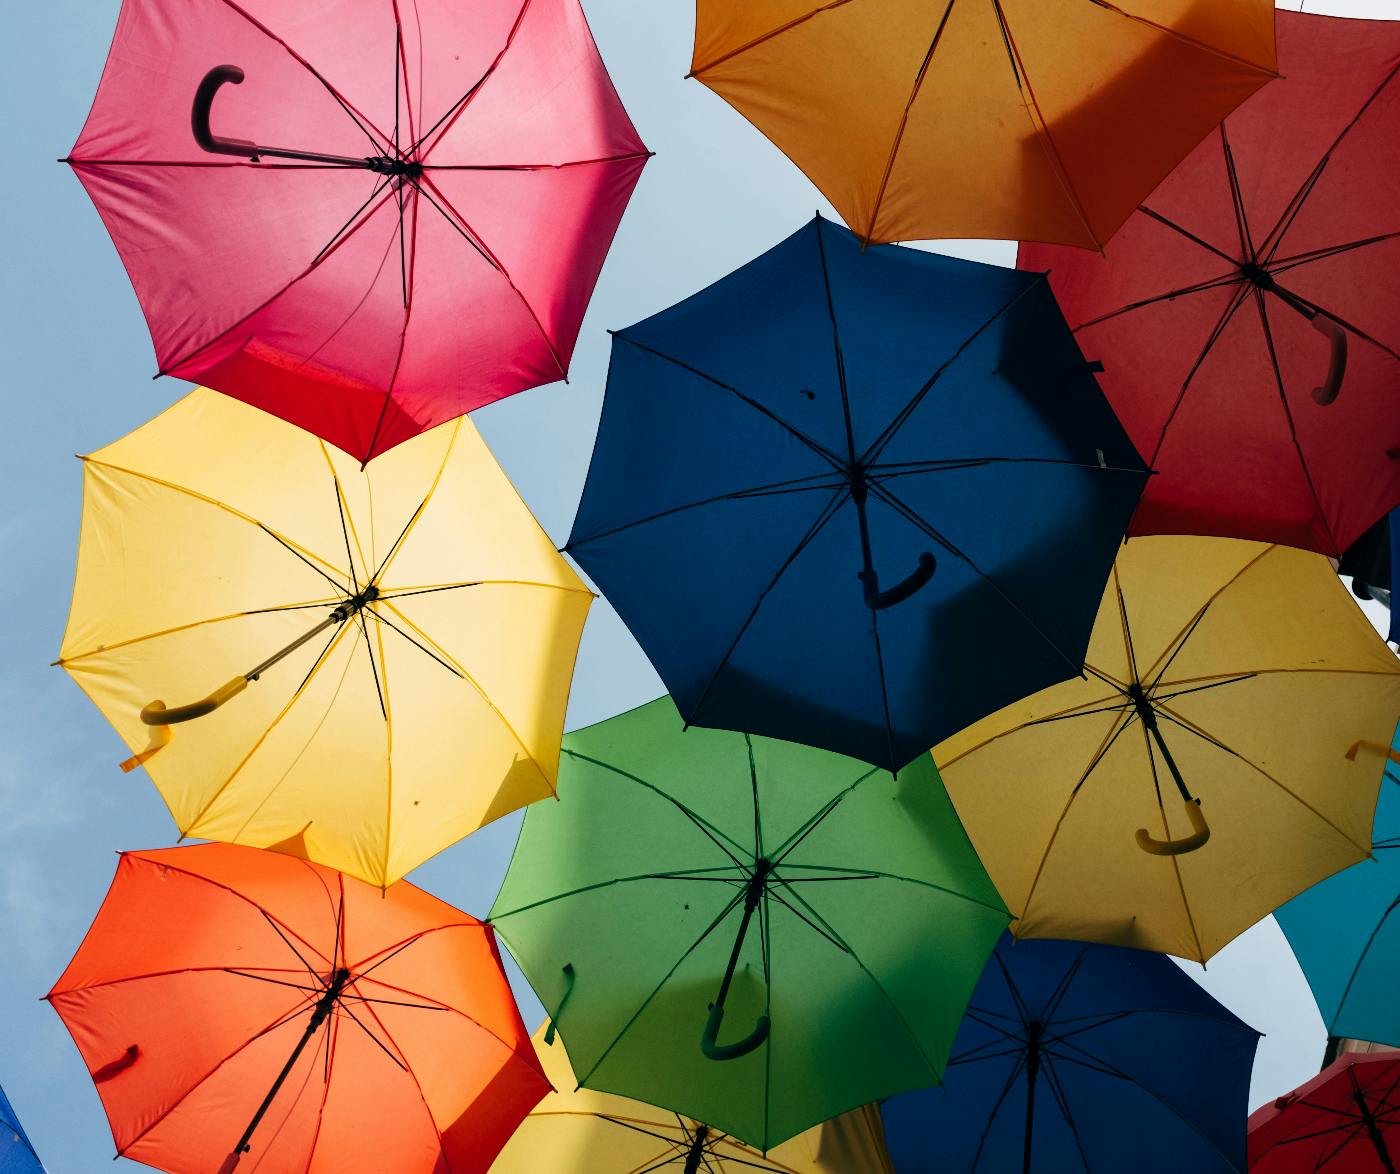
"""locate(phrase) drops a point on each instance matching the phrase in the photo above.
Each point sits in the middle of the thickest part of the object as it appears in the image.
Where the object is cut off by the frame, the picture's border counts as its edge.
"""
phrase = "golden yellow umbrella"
(1198, 775)
(580, 1131)
(1042, 120)
(372, 664)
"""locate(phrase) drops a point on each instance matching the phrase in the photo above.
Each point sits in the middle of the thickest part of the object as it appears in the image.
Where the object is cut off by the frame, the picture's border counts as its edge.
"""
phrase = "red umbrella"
(1256, 281)
(364, 216)
(242, 1007)
(1343, 1121)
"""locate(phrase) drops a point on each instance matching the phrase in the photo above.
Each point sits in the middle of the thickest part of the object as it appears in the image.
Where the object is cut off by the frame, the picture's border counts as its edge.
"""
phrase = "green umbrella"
(835, 917)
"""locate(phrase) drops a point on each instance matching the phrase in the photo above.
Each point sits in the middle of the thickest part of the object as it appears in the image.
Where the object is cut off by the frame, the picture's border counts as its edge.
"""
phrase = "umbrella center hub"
(1138, 696)
(1257, 275)
(758, 879)
(391, 165)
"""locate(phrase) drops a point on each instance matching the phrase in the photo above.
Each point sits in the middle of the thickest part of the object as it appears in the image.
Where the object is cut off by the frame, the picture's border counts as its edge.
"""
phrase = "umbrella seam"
(696, 70)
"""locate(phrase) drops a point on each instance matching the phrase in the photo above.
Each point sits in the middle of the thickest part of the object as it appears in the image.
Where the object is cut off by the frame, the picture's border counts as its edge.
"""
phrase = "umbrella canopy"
(238, 1008)
(835, 915)
(1070, 1056)
(1345, 931)
(17, 1156)
(366, 217)
(389, 651)
(856, 499)
(1197, 776)
(1346, 1120)
(1249, 289)
(587, 1132)
(1011, 119)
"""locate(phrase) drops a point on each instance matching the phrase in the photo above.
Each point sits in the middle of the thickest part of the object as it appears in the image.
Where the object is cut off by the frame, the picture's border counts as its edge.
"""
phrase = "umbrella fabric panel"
(16, 1153)
(1346, 936)
(356, 329)
(1213, 376)
(955, 120)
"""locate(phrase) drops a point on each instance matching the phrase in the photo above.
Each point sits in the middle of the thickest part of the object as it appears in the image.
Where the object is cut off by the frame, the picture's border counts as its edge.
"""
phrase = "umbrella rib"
(347, 526)
(1234, 680)
(1236, 197)
(457, 672)
(1170, 295)
(1052, 1079)
(1123, 619)
(713, 831)
(834, 461)
(785, 848)
(1288, 416)
(828, 512)
(828, 933)
(1326, 253)
(454, 111)
(1115, 730)
(1235, 303)
(1295, 205)
(875, 874)
(626, 157)
(1189, 235)
(339, 232)
(333, 247)
(729, 907)
(1016, 1070)
(406, 592)
(836, 339)
(1177, 35)
(890, 499)
(1203, 734)
(890, 158)
(684, 874)
(872, 454)
(360, 120)
(1361, 960)
(795, 485)
(422, 505)
(458, 221)
(379, 690)
(405, 264)
(768, 36)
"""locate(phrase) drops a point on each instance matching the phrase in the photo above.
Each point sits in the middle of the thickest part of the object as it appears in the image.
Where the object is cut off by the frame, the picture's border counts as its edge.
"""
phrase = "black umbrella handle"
(211, 84)
(710, 1045)
(877, 600)
(1337, 367)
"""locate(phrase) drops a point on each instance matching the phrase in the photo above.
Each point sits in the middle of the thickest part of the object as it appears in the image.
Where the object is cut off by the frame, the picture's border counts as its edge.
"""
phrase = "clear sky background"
(77, 374)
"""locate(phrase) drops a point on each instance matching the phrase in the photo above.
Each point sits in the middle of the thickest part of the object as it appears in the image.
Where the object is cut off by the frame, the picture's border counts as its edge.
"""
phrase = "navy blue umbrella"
(856, 498)
(17, 1156)
(1077, 1058)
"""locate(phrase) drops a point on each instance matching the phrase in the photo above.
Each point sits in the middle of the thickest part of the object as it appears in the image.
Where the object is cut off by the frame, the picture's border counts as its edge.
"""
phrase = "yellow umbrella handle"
(156, 713)
(1389, 752)
(1199, 835)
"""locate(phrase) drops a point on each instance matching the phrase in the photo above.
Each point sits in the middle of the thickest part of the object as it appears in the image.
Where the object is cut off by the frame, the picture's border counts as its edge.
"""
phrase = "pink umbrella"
(365, 216)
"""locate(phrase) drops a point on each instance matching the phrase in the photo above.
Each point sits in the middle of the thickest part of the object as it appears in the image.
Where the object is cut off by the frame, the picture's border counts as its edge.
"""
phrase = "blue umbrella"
(1345, 932)
(17, 1156)
(1075, 1057)
(856, 498)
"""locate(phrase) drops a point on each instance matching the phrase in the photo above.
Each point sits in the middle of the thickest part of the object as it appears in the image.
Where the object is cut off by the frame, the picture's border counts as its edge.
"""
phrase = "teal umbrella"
(1345, 932)
(752, 933)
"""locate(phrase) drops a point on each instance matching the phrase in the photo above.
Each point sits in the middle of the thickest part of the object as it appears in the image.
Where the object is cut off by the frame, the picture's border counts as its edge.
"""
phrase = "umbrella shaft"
(750, 904)
(333, 618)
(1373, 1131)
(1170, 761)
(1032, 1069)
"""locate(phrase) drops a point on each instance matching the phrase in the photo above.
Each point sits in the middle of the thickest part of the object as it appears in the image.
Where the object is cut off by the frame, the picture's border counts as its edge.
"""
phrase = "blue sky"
(77, 375)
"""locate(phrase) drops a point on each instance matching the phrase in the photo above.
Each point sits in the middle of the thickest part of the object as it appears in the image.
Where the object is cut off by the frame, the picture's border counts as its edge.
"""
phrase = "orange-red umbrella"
(242, 1007)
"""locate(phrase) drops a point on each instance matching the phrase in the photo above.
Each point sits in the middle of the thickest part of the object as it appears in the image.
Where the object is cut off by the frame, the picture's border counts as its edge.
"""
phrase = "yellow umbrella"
(372, 663)
(580, 1131)
(1042, 120)
(1198, 775)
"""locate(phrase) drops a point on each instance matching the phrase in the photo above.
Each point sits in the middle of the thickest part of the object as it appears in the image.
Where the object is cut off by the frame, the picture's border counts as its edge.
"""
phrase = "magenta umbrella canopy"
(365, 216)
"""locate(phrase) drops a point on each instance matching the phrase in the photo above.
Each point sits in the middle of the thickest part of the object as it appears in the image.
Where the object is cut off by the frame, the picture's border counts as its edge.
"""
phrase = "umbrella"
(1076, 1057)
(1197, 777)
(233, 1002)
(827, 919)
(1345, 931)
(366, 217)
(587, 1132)
(1011, 119)
(17, 1155)
(855, 499)
(1342, 1121)
(389, 651)
(1249, 290)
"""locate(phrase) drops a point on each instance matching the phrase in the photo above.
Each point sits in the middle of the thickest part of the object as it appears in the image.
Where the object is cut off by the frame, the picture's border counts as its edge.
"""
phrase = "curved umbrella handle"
(1389, 752)
(1337, 367)
(877, 600)
(156, 713)
(1199, 835)
(710, 1045)
(212, 82)
(559, 1010)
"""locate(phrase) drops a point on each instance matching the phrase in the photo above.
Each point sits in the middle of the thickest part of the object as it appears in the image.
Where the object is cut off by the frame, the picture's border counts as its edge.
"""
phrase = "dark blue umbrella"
(17, 1156)
(857, 499)
(1075, 1058)
(1345, 932)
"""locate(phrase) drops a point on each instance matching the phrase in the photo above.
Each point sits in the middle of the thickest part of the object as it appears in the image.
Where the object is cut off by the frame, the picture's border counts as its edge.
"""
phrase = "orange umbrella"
(230, 1001)
(1042, 120)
